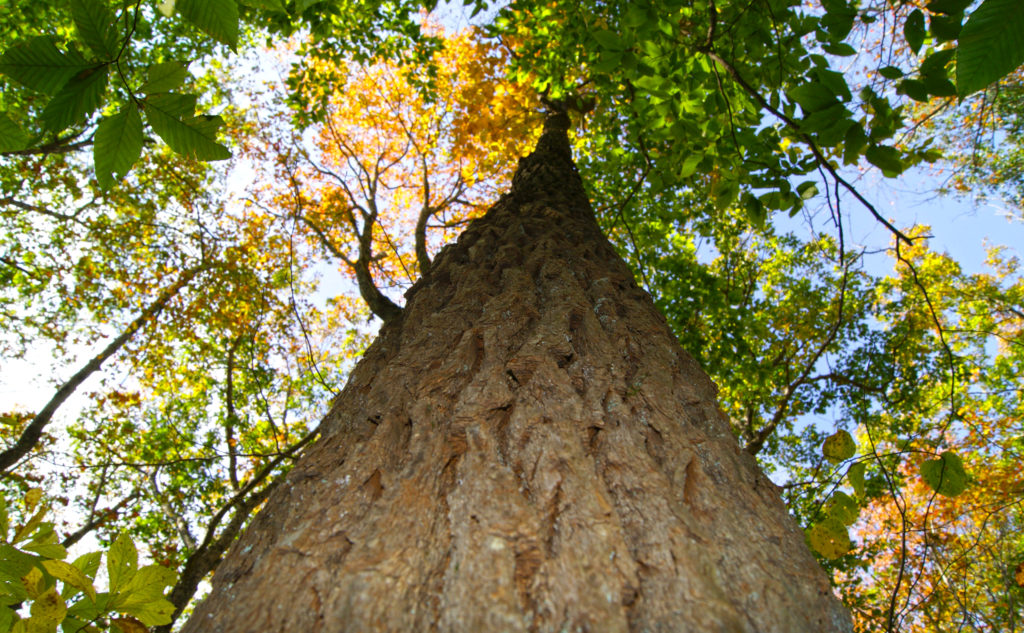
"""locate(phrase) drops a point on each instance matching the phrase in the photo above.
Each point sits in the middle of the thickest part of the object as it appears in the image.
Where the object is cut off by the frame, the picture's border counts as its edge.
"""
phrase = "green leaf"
(76, 100)
(14, 562)
(650, 83)
(807, 190)
(85, 609)
(12, 138)
(26, 530)
(855, 475)
(945, 28)
(915, 89)
(118, 145)
(839, 49)
(5, 521)
(935, 64)
(853, 142)
(829, 125)
(939, 86)
(609, 39)
(885, 158)
(913, 30)
(35, 582)
(12, 590)
(755, 210)
(70, 575)
(38, 64)
(269, 5)
(843, 507)
(838, 20)
(991, 45)
(890, 72)
(217, 18)
(164, 77)
(49, 607)
(945, 475)
(171, 116)
(47, 550)
(635, 16)
(122, 561)
(839, 447)
(96, 27)
(143, 596)
(829, 538)
(834, 81)
(812, 96)
(608, 61)
(147, 584)
(948, 7)
(88, 563)
(690, 164)
(152, 613)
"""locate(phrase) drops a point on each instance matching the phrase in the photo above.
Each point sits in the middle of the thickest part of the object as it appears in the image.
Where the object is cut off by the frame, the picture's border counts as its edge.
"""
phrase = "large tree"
(703, 115)
(525, 448)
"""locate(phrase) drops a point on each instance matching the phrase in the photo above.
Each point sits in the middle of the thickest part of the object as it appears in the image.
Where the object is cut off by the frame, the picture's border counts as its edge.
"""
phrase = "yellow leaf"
(49, 607)
(33, 582)
(71, 575)
(129, 625)
(32, 497)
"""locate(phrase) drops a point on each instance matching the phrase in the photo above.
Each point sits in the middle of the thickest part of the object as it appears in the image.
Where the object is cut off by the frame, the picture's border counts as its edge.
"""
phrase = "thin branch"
(179, 522)
(31, 434)
(208, 556)
(232, 416)
(426, 211)
(98, 520)
(59, 146)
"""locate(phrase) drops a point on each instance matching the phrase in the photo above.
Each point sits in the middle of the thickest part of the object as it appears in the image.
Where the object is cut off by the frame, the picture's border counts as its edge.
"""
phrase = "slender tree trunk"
(527, 448)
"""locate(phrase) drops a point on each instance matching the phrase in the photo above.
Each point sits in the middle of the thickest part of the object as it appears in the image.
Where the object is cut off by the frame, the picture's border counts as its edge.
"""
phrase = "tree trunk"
(526, 448)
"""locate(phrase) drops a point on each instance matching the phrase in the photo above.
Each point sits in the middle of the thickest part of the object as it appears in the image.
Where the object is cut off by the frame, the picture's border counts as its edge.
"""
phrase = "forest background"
(202, 283)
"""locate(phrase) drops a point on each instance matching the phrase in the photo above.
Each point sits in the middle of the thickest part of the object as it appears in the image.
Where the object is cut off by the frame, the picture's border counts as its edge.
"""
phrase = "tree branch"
(31, 434)
(98, 521)
(232, 416)
(208, 557)
(211, 551)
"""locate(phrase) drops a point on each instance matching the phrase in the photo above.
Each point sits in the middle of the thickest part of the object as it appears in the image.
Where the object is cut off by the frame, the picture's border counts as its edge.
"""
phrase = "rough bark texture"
(527, 448)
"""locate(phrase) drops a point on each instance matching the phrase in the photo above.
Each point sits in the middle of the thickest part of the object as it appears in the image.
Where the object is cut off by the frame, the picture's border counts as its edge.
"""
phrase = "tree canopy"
(205, 204)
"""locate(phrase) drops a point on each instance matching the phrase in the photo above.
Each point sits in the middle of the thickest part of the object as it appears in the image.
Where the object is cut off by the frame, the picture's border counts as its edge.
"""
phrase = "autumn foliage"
(402, 157)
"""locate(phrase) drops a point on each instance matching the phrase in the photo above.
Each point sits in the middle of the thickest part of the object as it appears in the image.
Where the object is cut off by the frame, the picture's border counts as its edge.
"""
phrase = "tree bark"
(526, 448)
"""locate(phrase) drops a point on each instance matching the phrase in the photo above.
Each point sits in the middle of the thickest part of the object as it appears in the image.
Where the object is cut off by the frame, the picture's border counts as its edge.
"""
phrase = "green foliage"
(914, 31)
(173, 117)
(990, 46)
(118, 145)
(96, 27)
(217, 18)
(164, 77)
(855, 477)
(12, 137)
(33, 571)
(79, 98)
(38, 64)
